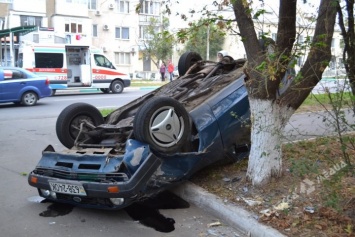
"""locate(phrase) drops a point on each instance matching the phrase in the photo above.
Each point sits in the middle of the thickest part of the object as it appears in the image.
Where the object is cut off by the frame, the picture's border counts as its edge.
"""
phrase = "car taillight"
(47, 81)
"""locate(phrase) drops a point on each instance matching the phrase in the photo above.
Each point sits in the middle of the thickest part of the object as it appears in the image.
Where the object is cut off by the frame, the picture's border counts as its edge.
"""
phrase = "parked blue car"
(151, 144)
(20, 86)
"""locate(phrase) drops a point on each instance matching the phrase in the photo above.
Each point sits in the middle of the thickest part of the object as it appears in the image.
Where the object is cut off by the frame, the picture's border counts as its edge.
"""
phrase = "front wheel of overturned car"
(70, 119)
(163, 123)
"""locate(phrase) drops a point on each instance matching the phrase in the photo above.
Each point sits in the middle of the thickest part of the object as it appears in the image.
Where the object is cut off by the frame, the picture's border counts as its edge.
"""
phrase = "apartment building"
(14, 14)
(112, 25)
(118, 30)
(115, 27)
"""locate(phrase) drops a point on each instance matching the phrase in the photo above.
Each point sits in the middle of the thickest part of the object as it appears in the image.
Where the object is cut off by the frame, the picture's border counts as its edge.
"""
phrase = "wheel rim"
(75, 126)
(117, 87)
(30, 98)
(166, 128)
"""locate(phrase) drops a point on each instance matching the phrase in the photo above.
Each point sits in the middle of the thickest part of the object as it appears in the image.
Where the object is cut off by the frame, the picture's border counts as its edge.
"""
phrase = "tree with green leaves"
(272, 101)
(273, 97)
(206, 33)
(157, 43)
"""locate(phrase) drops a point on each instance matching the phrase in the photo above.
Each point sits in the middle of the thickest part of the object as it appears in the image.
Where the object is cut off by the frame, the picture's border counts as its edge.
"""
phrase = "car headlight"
(117, 201)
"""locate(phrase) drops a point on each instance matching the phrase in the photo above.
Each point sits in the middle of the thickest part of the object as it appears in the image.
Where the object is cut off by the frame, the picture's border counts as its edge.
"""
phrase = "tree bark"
(268, 122)
(349, 41)
(271, 110)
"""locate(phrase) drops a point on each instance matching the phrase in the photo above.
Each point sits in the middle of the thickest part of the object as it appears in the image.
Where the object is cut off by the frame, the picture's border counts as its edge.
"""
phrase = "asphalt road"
(317, 124)
(24, 133)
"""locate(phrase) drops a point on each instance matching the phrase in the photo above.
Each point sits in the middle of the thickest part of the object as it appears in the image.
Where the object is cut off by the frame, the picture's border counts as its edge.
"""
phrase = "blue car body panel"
(11, 90)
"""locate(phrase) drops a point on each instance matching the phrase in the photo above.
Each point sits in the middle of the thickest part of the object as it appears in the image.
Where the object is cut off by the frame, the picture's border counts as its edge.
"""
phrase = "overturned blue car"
(151, 144)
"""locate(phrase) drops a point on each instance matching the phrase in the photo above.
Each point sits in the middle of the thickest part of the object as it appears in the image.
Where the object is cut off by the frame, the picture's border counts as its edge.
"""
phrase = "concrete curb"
(233, 215)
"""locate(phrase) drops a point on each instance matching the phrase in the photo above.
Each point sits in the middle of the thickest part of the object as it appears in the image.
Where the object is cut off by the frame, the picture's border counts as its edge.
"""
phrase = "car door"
(231, 109)
(2, 84)
(102, 68)
(14, 81)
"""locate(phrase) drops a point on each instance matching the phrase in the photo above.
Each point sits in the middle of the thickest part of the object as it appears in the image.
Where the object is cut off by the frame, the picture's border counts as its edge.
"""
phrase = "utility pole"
(208, 43)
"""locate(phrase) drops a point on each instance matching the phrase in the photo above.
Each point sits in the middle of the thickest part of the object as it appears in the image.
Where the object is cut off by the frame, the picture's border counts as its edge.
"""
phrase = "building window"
(73, 28)
(92, 4)
(31, 21)
(122, 6)
(260, 34)
(300, 39)
(122, 33)
(150, 7)
(94, 30)
(123, 58)
(143, 32)
(274, 36)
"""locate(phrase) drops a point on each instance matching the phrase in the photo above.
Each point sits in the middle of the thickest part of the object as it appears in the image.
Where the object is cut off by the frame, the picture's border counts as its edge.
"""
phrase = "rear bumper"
(97, 194)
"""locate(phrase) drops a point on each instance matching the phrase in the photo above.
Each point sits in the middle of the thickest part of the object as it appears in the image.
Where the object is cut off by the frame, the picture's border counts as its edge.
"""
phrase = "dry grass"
(331, 194)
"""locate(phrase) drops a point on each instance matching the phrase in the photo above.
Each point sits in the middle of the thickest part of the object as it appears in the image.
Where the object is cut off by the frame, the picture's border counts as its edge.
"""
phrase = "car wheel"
(116, 87)
(163, 123)
(69, 120)
(29, 98)
(105, 90)
(53, 92)
(186, 61)
(227, 59)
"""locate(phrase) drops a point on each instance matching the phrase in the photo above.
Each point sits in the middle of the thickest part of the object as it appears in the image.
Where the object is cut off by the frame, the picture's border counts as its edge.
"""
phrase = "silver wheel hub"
(166, 128)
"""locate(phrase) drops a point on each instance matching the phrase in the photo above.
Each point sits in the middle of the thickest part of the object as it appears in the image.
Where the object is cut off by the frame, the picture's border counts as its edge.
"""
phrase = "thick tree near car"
(348, 32)
(272, 99)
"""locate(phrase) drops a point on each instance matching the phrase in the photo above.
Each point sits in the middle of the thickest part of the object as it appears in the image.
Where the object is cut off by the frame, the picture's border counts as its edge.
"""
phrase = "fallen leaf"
(217, 223)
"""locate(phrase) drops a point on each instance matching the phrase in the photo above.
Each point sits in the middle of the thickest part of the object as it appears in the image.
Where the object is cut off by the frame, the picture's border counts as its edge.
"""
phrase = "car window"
(49, 60)
(29, 74)
(102, 61)
(10, 74)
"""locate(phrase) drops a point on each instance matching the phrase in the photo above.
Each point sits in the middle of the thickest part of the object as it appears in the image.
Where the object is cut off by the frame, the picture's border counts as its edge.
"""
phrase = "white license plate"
(73, 189)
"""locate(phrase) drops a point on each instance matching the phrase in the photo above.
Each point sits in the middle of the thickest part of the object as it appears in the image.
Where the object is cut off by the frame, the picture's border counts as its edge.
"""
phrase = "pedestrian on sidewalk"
(162, 71)
(171, 70)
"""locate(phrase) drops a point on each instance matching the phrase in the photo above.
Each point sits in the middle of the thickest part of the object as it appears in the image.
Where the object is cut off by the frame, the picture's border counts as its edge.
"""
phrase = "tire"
(116, 87)
(163, 123)
(105, 90)
(29, 98)
(68, 122)
(228, 59)
(53, 92)
(186, 60)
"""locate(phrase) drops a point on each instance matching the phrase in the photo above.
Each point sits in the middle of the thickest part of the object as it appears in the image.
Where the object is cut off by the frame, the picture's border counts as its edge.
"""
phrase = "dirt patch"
(314, 197)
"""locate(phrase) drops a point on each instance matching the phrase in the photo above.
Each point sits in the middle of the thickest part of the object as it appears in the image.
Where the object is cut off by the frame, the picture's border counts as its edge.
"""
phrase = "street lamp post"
(208, 43)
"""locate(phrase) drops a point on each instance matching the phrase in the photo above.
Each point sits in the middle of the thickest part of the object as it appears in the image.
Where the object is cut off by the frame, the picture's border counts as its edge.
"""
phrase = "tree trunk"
(267, 128)
(270, 108)
(349, 40)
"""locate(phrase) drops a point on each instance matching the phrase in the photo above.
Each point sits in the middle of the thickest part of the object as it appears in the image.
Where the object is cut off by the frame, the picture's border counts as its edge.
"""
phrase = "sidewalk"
(233, 215)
